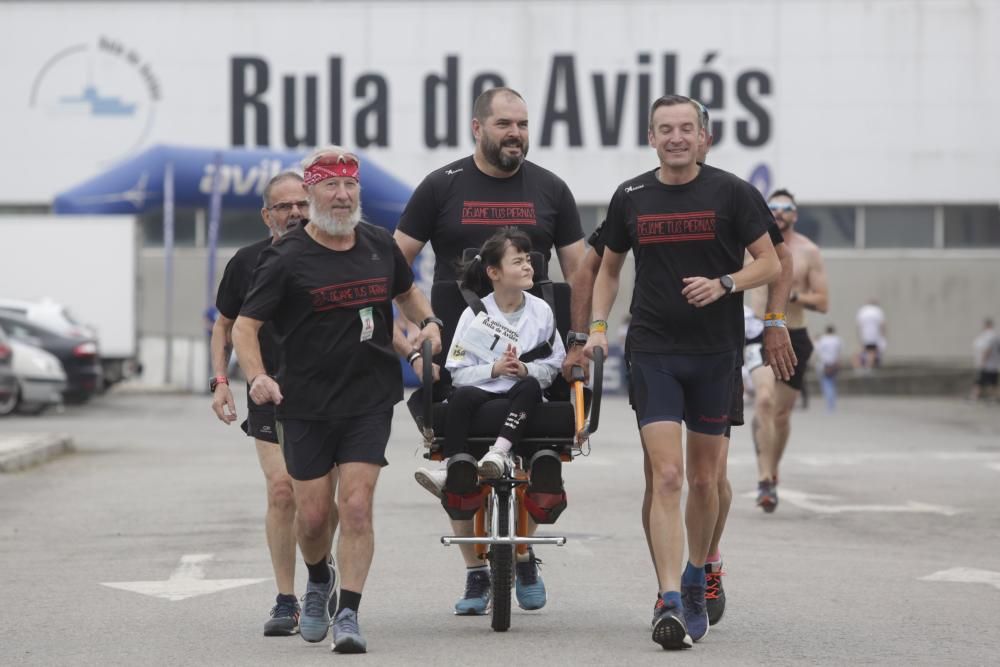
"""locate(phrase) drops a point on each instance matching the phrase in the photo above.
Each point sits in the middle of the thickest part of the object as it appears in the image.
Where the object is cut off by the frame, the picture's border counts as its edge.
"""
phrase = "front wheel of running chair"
(501, 561)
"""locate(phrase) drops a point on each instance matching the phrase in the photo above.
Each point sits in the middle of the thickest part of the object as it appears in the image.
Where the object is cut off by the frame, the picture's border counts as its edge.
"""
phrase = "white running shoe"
(493, 464)
(432, 480)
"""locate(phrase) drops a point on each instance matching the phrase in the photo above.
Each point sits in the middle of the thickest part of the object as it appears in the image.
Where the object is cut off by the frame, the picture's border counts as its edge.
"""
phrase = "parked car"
(48, 314)
(79, 356)
(8, 381)
(39, 379)
(118, 358)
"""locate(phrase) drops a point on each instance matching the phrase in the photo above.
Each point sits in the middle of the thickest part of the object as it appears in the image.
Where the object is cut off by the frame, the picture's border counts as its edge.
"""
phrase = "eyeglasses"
(286, 207)
(781, 208)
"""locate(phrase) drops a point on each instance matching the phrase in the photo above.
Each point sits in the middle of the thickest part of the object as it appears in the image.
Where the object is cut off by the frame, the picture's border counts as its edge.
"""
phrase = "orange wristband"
(774, 316)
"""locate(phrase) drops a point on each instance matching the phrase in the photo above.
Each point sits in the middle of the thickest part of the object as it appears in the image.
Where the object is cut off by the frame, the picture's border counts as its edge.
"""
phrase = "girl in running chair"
(509, 350)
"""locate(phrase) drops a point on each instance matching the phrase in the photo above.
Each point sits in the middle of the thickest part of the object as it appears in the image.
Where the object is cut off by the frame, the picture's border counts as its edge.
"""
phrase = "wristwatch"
(216, 381)
(432, 320)
(727, 283)
(576, 338)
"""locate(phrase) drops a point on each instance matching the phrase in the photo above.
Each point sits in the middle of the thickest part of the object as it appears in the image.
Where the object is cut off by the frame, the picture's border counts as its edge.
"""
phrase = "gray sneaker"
(315, 617)
(346, 633)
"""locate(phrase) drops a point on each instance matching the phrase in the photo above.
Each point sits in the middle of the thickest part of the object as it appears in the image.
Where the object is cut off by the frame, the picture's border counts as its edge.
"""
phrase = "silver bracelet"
(775, 323)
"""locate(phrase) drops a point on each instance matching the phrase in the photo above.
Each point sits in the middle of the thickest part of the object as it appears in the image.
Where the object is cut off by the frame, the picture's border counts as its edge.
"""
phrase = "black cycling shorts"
(693, 388)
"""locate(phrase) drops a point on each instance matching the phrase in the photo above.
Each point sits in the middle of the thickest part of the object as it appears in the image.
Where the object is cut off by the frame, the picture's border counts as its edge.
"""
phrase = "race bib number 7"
(488, 338)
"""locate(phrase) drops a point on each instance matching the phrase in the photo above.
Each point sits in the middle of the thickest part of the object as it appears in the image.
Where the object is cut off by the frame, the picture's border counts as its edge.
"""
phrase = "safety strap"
(548, 295)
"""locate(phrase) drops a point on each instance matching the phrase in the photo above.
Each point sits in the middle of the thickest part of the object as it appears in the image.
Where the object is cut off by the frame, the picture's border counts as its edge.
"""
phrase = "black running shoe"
(715, 596)
(284, 621)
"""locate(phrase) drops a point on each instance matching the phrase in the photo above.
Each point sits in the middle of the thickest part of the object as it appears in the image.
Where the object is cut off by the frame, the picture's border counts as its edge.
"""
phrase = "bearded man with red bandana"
(328, 289)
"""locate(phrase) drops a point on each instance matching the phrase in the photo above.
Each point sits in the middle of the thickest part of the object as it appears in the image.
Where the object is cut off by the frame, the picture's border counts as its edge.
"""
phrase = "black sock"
(349, 600)
(286, 598)
(319, 573)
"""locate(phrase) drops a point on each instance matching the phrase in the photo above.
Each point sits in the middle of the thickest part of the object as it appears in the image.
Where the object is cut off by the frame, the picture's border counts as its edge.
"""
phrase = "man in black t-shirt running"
(284, 209)
(460, 206)
(689, 226)
(328, 290)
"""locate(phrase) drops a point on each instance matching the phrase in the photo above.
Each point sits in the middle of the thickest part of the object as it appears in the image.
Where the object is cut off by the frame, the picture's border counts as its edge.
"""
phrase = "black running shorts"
(260, 425)
(313, 448)
(803, 348)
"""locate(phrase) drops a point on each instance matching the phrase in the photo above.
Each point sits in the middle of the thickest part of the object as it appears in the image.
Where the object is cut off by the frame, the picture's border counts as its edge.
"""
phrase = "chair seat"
(554, 419)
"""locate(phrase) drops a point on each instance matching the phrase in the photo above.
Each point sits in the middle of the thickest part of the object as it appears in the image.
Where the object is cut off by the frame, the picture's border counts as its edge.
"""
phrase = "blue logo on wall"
(100, 97)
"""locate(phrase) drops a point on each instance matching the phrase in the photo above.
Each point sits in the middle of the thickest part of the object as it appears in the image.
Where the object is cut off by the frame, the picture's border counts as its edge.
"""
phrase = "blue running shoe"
(528, 584)
(284, 620)
(669, 629)
(346, 633)
(656, 609)
(315, 617)
(767, 495)
(695, 610)
(477, 594)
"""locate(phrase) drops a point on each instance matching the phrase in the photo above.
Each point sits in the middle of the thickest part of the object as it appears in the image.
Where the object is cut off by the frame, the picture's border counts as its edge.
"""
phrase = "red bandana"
(332, 166)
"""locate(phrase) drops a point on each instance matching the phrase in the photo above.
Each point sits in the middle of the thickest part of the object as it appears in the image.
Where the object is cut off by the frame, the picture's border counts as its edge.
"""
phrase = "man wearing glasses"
(328, 289)
(774, 400)
(285, 208)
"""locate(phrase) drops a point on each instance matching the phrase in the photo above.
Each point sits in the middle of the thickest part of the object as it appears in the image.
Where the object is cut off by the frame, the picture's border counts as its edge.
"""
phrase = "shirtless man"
(774, 399)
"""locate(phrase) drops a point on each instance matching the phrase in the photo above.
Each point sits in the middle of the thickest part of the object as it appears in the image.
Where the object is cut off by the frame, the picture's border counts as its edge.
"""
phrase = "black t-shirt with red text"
(596, 240)
(458, 207)
(700, 228)
(319, 301)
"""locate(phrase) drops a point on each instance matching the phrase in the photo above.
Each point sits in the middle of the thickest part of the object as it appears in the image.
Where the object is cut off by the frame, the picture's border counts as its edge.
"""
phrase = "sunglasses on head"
(782, 207)
(334, 159)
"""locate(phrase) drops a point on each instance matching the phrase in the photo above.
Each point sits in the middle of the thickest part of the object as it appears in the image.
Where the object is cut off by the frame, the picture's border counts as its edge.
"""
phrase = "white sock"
(502, 445)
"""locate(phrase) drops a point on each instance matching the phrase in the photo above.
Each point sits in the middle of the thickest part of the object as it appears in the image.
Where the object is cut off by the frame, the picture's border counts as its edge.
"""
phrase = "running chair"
(551, 432)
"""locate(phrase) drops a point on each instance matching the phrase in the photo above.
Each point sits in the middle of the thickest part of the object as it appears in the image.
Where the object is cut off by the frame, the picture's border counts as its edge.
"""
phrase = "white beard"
(327, 223)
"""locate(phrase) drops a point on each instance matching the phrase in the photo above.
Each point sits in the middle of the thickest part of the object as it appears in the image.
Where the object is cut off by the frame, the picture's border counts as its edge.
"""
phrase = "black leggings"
(466, 401)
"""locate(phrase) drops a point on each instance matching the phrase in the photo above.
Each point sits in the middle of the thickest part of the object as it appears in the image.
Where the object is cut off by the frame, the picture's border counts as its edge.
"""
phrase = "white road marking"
(965, 575)
(187, 581)
(821, 504)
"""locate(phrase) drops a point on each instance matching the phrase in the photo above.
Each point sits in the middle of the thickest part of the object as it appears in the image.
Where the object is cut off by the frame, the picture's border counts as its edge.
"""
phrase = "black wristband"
(413, 355)
(432, 320)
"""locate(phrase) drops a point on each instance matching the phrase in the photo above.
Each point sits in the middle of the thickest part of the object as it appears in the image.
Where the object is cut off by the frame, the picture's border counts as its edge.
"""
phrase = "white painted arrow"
(965, 575)
(814, 502)
(187, 581)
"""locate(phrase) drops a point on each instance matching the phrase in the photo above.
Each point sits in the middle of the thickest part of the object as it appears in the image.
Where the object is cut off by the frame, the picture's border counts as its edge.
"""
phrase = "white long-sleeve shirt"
(533, 326)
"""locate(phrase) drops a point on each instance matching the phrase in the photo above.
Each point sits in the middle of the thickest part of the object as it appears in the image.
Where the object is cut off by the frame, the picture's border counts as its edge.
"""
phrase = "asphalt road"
(874, 500)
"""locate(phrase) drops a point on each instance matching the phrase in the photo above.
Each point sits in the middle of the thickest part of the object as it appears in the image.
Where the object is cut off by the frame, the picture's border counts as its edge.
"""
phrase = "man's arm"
(778, 352)
(416, 308)
(570, 257)
(219, 344)
(701, 291)
(263, 388)
(410, 246)
(605, 291)
(581, 299)
(817, 297)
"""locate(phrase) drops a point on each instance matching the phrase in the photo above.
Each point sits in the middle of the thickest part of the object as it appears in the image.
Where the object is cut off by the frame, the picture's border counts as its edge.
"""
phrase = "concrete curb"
(22, 450)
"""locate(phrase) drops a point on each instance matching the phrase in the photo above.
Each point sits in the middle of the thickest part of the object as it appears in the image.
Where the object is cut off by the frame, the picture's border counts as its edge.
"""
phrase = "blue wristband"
(774, 323)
